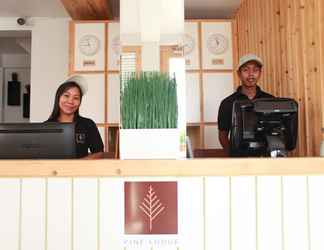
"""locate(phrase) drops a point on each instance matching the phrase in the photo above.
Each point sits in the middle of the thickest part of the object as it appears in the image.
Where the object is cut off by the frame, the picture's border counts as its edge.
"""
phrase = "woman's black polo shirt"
(87, 137)
(226, 107)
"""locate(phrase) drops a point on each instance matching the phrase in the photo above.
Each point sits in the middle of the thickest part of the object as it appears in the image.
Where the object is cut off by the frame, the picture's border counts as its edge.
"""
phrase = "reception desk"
(176, 168)
(229, 204)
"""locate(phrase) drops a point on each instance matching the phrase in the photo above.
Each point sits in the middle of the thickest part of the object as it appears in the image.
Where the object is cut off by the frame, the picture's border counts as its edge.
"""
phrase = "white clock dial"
(217, 44)
(189, 44)
(89, 45)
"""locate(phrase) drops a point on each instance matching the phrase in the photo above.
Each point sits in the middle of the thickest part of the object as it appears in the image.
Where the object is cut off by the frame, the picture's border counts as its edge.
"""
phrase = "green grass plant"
(148, 100)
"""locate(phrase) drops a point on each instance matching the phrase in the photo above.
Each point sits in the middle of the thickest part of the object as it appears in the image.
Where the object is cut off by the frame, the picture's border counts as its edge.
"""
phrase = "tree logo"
(151, 208)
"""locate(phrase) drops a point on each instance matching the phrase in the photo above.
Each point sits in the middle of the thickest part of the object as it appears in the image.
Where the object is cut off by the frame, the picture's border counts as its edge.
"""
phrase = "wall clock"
(217, 44)
(89, 45)
(188, 44)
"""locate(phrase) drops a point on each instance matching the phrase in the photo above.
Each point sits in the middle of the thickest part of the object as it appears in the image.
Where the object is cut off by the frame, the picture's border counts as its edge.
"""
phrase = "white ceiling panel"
(32, 8)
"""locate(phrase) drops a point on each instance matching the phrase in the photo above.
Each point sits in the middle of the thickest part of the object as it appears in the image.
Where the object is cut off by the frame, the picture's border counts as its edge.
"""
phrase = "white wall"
(49, 60)
(12, 58)
(49, 64)
(15, 60)
(11, 62)
(14, 113)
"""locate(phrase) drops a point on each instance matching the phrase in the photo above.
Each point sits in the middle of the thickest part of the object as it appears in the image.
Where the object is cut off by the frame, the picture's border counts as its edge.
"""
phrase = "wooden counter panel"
(177, 168)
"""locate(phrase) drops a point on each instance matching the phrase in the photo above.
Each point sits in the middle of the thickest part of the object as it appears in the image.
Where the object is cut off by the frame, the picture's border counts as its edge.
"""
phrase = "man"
(249, 71)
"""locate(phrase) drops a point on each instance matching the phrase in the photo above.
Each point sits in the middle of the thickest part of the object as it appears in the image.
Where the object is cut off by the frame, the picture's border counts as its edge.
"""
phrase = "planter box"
(149, 143)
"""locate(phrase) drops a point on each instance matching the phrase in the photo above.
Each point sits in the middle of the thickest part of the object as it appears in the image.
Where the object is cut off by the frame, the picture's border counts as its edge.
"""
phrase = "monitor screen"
(263, 127)
(51, 140)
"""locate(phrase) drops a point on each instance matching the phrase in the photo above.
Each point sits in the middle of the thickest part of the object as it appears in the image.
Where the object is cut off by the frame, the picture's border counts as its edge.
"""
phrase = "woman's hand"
(98, 155)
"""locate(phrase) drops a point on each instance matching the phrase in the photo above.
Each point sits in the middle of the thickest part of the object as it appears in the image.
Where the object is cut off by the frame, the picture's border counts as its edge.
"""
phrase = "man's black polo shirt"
(226, 106)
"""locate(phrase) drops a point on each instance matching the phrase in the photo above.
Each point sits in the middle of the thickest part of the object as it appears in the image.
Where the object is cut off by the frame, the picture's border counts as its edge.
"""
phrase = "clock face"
(189, 44)
(89, 45)
(217, 44)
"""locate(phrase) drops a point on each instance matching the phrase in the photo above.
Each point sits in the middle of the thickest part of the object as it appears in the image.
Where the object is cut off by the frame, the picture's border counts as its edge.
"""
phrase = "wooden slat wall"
(289, 36)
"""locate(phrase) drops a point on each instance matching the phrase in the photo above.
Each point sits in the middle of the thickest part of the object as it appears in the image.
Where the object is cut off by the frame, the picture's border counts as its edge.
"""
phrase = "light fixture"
(151, 20)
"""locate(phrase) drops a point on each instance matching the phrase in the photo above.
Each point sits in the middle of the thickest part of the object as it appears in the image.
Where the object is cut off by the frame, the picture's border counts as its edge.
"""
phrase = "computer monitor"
(264, 127)
(50, 140)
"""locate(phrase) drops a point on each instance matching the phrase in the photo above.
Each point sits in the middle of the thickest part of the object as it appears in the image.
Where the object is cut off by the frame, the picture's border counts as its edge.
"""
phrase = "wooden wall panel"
(289, 36)
(319, 7)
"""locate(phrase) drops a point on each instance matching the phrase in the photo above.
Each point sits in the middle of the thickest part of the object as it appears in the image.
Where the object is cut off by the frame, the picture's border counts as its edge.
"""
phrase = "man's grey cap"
(248, 58)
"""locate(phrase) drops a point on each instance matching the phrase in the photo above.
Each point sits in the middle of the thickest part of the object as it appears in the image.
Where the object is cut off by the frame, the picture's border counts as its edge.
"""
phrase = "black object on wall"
(26, 102)
(14, 88)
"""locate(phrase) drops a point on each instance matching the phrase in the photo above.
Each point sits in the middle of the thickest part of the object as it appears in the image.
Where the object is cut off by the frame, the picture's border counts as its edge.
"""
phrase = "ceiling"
(54, 8)
(210, 8)
(32, 8)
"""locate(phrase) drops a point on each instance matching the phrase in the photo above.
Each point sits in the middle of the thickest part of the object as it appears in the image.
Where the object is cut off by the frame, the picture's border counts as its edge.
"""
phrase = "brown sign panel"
(151, 208)
(218, 61)
(87, 63)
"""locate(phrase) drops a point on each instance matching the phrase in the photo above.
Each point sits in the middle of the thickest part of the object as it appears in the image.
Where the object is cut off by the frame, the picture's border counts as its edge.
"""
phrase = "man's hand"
(224, 141)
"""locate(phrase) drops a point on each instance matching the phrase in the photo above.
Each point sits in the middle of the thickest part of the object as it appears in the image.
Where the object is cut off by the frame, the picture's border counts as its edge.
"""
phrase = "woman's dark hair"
(60, 91)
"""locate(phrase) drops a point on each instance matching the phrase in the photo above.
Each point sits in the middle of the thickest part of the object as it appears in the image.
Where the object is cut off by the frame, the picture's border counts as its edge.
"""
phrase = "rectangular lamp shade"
(129, 17)
(172, 22)
(151, 19)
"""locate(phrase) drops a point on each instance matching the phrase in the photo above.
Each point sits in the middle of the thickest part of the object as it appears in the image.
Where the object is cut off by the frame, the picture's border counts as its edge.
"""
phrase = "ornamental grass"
(148, 100)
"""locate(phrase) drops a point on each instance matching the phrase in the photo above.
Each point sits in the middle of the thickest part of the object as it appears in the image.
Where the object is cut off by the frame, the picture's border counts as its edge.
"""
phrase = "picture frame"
(89, 47)
(217, 48)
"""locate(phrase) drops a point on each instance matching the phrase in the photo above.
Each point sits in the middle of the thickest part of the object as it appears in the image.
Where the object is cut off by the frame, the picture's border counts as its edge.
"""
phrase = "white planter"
(149, 143)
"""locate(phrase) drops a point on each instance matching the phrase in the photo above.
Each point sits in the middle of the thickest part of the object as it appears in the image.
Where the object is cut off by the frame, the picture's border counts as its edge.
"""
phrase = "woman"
(66, 109)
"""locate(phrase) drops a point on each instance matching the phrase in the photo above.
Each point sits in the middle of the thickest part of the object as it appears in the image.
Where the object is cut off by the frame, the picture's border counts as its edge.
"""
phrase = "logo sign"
(151, 208)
